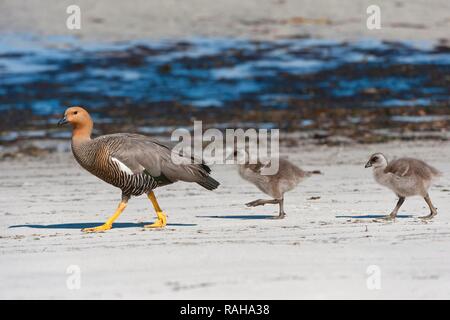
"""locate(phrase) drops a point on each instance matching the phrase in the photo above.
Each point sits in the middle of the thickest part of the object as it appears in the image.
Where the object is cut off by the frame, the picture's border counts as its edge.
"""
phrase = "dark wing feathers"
(405, 167)
(144, 154)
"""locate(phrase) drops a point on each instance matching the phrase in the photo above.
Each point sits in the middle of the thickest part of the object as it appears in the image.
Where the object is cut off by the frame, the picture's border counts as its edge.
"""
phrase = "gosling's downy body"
(276, 185)
(134, 163)
(406, 177)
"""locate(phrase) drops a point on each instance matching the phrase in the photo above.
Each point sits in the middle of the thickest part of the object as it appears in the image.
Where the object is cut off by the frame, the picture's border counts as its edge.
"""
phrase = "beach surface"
(215, 247)
(106, 20)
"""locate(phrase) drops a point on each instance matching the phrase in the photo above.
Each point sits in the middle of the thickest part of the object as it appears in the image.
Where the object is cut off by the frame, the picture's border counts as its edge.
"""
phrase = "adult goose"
(134, 163)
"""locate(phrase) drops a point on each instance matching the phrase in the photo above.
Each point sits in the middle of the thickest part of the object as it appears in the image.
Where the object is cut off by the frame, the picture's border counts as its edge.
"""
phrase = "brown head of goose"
(134, 163)
(406, 177)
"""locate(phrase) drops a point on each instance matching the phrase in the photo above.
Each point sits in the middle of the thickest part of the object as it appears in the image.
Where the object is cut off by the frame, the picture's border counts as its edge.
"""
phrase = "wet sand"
(215, 247)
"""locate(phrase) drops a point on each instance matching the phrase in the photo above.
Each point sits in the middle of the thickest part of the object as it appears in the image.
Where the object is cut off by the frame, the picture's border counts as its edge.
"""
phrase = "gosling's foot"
(428, 217)
(280, 216)
(101, 228)
(389, 217)
(255, 203)
(160, 223)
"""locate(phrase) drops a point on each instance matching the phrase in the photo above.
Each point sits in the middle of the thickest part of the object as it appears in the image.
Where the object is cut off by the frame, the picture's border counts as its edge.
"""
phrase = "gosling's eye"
(375, 159)
(75, 112)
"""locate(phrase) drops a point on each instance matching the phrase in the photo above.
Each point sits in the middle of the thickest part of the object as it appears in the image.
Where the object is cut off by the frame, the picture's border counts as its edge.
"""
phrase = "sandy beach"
(337, 91)
(106, 20)
(215, 247)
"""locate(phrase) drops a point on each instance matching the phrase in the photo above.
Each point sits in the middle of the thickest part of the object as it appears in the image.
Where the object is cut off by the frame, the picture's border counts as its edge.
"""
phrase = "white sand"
(313, 253)
(259, 19)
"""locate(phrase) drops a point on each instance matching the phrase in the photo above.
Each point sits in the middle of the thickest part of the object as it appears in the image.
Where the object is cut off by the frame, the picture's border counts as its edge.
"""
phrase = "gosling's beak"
(62, 122)
(368, 164)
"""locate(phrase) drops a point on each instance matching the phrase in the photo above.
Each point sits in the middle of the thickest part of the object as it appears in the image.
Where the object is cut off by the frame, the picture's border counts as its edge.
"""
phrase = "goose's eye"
(375, 159)
(75, 112)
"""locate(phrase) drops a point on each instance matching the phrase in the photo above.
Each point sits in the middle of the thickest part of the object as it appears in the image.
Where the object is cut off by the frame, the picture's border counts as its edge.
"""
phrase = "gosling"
(406, 177)
(287, 178)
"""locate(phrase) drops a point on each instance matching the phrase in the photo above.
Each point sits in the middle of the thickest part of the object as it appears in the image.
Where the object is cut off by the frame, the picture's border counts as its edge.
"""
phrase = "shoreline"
(29, 147)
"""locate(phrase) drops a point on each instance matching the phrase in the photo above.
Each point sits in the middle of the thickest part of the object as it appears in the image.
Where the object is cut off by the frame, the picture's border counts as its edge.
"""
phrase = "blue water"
(47, 74)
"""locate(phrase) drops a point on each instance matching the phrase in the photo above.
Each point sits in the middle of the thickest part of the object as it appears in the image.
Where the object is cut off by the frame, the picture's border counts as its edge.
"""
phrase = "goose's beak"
(368, 164)
(62, 122)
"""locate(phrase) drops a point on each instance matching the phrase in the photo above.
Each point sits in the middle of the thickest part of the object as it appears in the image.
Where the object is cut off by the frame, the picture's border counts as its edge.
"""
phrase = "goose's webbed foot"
(160, 222)
(101, 228)
(108, 224)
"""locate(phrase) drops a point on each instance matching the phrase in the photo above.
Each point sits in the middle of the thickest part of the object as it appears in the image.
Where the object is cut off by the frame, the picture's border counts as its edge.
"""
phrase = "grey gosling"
(406, 177)
(286, 179)
(134, 163)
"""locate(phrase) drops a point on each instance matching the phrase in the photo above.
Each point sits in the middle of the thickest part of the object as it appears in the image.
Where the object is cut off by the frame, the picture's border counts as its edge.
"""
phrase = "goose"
(134, 163)
(285, 179)
(406, 177)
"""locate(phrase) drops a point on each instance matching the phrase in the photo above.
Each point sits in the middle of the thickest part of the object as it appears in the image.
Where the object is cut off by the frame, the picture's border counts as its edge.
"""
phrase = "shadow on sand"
(241, 217)
(373, 216)
(117, 225)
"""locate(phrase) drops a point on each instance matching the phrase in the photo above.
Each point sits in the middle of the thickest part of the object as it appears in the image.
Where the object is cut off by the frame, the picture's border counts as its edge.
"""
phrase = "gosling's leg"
(162, 218)
(281, 214)
(261, 202)
(393, 214)
(433, 210)
(108, 224)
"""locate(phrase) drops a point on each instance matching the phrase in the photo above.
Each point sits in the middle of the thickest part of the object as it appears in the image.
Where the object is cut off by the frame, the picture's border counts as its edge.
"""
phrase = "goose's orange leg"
(162, 218)
(108, 224)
